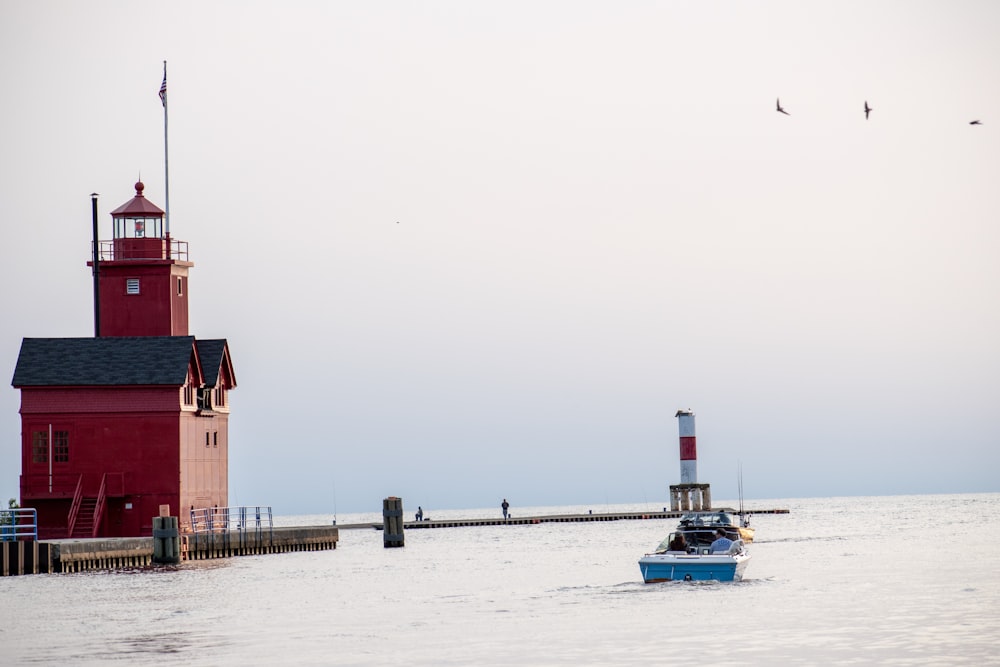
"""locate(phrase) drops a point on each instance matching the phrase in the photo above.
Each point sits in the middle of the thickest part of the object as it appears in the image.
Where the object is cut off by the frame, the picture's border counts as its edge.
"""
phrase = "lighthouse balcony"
(142, 249)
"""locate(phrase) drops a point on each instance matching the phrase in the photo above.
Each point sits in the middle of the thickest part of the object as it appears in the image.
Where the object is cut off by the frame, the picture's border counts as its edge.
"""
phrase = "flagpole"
(166, 159)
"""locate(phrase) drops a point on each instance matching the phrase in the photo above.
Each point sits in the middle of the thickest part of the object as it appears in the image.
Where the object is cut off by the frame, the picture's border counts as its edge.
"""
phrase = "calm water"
(888, 580)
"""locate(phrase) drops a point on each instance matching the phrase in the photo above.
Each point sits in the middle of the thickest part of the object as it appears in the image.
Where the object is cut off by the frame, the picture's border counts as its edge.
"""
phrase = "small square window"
(132, 286)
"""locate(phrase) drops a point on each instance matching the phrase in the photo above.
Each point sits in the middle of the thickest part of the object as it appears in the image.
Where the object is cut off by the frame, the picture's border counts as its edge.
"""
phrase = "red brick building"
(113, 427)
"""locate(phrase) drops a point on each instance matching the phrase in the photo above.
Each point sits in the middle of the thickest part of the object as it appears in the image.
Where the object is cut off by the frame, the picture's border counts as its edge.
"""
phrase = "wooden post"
(392, 522)
(166, 541)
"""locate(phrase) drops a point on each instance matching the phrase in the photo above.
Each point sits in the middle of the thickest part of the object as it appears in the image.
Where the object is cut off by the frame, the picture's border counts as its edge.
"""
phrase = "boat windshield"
(707, 519)
(664, 546)
(693, 540)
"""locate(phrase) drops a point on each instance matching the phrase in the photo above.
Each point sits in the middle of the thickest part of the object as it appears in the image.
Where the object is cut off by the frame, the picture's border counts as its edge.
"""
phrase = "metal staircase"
(84, 526)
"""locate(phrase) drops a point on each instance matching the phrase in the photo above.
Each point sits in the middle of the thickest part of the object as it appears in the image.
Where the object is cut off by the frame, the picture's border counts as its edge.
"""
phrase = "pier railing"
(18, 524)
(233, 524)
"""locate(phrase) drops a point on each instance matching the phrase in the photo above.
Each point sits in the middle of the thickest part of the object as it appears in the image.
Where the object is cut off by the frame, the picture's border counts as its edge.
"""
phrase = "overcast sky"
(472, 250)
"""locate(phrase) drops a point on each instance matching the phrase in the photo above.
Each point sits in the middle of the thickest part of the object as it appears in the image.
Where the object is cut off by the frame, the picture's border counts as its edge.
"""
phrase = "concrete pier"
(113, 553)
(120, 553)
(266, 541)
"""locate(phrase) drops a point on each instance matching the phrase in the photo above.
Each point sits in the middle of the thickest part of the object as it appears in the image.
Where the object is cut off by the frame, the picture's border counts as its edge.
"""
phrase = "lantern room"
(138, 229)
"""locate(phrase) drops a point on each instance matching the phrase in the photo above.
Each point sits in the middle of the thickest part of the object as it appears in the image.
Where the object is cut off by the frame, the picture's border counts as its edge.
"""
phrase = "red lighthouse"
(117, 426)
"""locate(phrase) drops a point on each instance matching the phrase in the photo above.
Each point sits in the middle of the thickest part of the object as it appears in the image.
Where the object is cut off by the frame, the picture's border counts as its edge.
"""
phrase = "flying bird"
(782, 110)
(975, 122)
(867, 109)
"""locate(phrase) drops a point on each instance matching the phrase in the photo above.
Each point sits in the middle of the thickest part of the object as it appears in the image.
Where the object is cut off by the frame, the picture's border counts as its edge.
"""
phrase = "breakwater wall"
(545, 518)
(117, 553)
(265, 541)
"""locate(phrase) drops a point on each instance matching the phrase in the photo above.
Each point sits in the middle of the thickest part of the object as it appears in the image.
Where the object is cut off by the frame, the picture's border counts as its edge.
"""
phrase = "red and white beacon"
(689, 447)
(689, 494)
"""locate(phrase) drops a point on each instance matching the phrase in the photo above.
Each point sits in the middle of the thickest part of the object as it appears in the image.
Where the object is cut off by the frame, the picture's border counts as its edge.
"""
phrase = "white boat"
(696, 562)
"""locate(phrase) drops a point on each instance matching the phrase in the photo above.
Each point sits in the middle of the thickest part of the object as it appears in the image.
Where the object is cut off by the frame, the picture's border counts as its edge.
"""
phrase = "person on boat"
(678, 543)
(420, 513)
(722, 543)
(504, 506)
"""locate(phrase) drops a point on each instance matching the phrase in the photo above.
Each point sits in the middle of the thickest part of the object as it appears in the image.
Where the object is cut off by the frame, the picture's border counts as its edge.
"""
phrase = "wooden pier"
(547, 518)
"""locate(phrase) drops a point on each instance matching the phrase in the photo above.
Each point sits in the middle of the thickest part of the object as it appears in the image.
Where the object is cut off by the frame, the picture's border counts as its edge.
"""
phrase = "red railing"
(37, 487)
(74, 508)
(43, 486)
(99, 507)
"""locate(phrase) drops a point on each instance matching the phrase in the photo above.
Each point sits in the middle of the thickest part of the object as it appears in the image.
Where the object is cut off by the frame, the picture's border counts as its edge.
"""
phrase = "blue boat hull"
(692, 567)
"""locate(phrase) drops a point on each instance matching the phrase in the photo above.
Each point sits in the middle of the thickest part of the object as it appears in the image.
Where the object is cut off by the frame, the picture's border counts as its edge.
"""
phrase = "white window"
(132, 286)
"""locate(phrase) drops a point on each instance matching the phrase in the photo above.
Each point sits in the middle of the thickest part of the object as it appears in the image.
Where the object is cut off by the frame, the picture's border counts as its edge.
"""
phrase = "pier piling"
(166, 541)
(392, 522)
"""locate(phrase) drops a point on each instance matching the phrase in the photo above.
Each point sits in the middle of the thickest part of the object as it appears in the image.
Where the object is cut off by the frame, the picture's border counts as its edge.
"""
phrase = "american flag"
(163, 86)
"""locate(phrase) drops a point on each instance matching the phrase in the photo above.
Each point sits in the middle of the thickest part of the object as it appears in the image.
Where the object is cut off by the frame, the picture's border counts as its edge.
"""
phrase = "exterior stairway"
(84, 526)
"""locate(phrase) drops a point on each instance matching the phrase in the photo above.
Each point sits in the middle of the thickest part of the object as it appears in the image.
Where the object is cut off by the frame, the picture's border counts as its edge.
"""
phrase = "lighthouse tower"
(689, 494)
(144, 274)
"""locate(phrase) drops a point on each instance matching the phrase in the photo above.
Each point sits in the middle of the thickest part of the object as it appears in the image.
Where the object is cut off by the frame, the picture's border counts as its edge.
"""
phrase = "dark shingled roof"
(126, 360)
(210, 352)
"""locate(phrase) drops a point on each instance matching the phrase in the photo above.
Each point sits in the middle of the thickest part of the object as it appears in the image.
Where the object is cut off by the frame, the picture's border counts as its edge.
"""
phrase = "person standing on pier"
(504, 506)
(420, 513)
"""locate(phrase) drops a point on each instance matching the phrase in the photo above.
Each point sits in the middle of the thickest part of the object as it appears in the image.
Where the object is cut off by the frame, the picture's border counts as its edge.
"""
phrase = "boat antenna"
(334, 483)
(739, 465)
